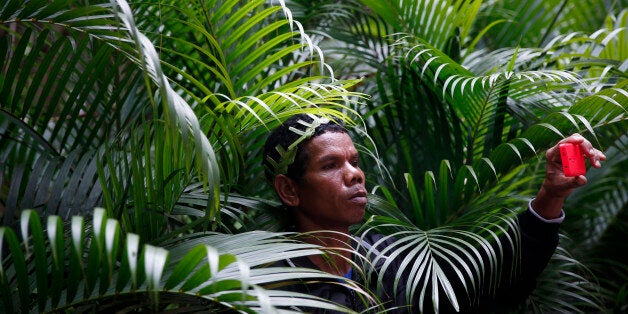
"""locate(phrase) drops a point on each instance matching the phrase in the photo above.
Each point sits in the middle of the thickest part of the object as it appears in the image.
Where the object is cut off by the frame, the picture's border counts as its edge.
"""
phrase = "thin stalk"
(549, 28)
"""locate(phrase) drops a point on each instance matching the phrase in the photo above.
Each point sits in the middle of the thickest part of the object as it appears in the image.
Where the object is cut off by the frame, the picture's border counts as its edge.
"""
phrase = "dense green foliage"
(156, 111)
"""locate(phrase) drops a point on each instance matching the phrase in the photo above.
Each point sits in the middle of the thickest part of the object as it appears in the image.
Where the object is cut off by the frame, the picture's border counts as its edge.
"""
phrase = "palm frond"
(100, 263)
(604, 111)
(349, 30)
(438, 23)
(80, 109)
(481, 102)
(567, 289)
(526, 22)
(242, 65)
(59, 104)
(533, 23)
(446, 267)
(598, 57)
(595, 216)
(596, 225)
(183, 132)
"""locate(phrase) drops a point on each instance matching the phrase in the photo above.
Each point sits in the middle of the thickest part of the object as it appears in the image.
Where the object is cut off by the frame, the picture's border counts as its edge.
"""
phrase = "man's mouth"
(359, 197)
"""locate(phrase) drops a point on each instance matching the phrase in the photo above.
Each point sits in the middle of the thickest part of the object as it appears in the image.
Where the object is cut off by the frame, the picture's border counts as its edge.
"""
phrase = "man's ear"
(287, 190)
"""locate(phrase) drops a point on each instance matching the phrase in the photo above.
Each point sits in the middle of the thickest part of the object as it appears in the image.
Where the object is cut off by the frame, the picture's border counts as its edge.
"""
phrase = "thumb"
(580, 181)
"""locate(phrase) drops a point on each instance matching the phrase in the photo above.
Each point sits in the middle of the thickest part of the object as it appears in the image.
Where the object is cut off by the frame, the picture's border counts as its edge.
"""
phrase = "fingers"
(553, 153)
(594, 156)
(556, 184)
(570, 183)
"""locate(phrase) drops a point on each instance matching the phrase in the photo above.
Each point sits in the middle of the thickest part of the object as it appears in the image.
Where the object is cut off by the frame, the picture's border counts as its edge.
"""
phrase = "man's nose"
(353, 174)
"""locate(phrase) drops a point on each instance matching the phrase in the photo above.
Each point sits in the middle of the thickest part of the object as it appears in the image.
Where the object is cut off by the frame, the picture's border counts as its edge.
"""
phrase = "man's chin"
(359, 215)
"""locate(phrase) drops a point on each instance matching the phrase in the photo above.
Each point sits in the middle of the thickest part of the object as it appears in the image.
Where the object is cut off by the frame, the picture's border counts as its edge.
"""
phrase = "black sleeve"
(521, 269)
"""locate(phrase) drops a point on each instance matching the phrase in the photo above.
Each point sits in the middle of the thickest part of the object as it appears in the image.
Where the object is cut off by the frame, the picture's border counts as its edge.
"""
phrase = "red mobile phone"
(572, 159)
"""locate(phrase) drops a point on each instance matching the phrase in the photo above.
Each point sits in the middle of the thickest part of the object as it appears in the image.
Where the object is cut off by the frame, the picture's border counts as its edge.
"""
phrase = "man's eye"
(329, 166)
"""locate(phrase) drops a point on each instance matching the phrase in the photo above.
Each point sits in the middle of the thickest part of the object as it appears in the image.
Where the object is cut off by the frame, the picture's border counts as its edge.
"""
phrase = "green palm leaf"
(567, 289)
(434, 22)
(106, 265)
(481, 101)
(242, 65)
(424, 254)
(603, 112)
(59, 124)
(532, 23)
(55, 107)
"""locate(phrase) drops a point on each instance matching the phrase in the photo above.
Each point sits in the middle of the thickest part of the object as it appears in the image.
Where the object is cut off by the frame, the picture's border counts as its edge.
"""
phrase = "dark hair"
(284, 137)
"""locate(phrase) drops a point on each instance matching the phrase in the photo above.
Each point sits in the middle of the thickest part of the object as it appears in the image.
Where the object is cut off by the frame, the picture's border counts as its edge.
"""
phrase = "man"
(314, 168)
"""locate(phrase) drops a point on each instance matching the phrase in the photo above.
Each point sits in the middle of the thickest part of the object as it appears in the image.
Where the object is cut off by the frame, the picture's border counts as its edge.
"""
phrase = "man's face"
(331, 194)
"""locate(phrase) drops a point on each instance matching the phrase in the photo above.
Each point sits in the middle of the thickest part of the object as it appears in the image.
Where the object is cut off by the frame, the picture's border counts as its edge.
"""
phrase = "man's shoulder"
(374, 240)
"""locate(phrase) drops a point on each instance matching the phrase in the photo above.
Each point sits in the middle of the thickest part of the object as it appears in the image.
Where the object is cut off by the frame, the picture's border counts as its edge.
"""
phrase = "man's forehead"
(331, 143)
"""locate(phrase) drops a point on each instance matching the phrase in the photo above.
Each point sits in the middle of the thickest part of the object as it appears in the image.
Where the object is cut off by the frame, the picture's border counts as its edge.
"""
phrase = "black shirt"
(538, 240)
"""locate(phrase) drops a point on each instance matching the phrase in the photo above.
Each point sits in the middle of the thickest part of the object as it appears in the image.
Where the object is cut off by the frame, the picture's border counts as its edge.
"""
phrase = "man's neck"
(337, 245)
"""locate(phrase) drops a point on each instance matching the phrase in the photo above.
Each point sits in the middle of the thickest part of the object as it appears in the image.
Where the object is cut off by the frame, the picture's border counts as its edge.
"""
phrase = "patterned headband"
(286, 156)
